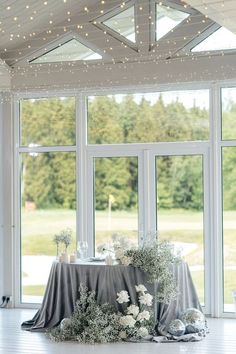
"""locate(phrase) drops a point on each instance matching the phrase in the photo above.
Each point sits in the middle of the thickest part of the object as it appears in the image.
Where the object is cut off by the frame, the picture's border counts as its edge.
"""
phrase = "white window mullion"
(146, 191)
(39, 149)
(207, 229)
(89, 223)
(17, 210)
(141, 200)
(149, 190)
(81, 170)
(216, 203)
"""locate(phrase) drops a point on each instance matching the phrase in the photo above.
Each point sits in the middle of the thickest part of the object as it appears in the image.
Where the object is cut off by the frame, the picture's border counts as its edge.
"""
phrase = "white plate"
(97, 259)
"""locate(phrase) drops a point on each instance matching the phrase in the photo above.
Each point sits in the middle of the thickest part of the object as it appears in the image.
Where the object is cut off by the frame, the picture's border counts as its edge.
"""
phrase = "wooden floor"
(221, 340)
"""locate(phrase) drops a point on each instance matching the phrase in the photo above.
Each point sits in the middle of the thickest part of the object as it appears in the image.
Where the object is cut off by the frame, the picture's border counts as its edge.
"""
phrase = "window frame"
(85, 152)
(153, 18)
(222, 144)
(200, 38)
(99, 23)
(17, 186)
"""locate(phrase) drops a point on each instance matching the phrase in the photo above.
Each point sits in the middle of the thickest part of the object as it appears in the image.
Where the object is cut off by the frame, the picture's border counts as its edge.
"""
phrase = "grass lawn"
(34, 290)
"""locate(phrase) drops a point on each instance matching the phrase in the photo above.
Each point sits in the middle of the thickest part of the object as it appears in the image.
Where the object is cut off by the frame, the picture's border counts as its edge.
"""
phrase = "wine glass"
(82, 249)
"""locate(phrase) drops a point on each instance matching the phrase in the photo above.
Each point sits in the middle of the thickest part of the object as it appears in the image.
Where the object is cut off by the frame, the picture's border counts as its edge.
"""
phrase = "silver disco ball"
(65, 323)
(176, 328)
(194, 320)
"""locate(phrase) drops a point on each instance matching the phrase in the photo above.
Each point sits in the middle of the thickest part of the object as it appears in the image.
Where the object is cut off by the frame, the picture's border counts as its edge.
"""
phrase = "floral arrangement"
(119, 244)
(94, 323)
(64, 237)
(156, 260)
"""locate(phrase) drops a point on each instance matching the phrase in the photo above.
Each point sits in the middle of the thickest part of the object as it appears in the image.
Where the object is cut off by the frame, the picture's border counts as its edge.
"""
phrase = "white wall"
(6, 163)
(1, 204)
(129, 74)
(5, 76)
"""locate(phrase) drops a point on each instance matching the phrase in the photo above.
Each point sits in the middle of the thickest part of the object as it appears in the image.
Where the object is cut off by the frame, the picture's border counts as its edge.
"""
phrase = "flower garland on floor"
(93, 323)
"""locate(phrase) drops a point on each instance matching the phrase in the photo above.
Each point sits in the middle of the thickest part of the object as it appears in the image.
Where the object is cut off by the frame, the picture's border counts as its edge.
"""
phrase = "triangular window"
(167, 19)
(123, 24)
(221, 39)
(72, 50)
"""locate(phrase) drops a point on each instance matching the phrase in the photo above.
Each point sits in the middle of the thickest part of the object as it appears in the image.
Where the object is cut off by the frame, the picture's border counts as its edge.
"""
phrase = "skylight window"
(123, 23)
(167, 19)
(221, 39)
(72, 50)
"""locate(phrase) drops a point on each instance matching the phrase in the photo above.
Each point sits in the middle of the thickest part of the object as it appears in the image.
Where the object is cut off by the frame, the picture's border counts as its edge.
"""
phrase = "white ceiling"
(25, 28)
(221, 11)
(30, 26)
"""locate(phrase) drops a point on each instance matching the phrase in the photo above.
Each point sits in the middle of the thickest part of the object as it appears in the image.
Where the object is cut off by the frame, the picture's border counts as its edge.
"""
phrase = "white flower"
(126, 260)
(119, 253)
(127, 321)
(144, 315)
(140, 288)
(123, 296)
(142, 332)
(146, 299)
(133, 310)
(101, 248)
(122, 335)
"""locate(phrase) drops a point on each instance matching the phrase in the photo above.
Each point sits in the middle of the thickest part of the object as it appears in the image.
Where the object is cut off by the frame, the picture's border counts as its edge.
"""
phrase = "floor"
(221, 340)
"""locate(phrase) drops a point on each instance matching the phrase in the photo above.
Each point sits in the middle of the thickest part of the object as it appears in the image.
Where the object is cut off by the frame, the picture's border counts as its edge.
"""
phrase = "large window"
(47, 185)
(229, 222)
(47, 122)
(116, 199)
(149, 117)
(165, 117)
(228, 113)
(228, 104)
(180, 210)
(146, 162)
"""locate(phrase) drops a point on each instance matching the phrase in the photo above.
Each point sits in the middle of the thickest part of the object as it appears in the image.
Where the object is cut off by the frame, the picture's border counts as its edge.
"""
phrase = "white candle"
(72, 258)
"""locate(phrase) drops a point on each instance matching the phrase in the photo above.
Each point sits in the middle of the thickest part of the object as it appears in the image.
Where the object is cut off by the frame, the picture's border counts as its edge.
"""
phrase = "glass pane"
(116, 199)
(221, 39)
(72, 50)
(180, 210)
(167, 19)
(47, 121)
(48, 202)
(228, 113)
(123, 23)
(149, 117)
(229, 227)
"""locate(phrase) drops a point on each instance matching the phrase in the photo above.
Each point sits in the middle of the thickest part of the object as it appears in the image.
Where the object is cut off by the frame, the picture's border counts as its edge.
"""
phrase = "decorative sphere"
(65, 323)
(194, 320)
(176, 328)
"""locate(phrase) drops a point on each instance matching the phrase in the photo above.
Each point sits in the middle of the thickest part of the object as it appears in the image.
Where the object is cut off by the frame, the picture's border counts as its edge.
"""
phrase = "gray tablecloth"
(64, 280)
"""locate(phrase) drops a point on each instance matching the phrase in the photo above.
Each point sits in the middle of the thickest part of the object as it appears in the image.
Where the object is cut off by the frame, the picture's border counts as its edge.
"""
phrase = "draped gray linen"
(64, 280)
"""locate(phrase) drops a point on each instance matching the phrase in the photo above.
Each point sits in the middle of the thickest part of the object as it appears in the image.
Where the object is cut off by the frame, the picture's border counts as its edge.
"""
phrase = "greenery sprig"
(65, 237)
(157, 261)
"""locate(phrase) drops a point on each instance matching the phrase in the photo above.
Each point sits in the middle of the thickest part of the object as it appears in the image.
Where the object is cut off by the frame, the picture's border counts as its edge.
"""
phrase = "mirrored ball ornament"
(194, 320)
(65, 323)
(176, 328)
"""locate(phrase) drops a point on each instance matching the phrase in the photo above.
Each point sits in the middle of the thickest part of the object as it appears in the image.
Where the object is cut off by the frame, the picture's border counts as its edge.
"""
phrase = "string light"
(138, 57)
